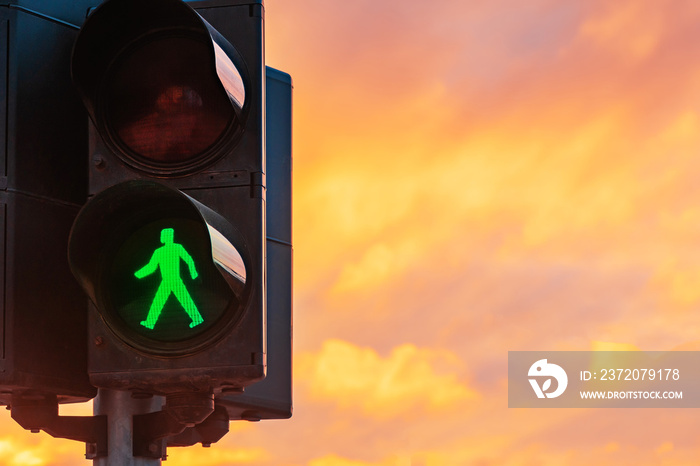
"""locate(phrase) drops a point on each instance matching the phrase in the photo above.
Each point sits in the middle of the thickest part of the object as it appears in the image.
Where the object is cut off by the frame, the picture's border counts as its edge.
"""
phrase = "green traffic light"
(163, 280)
(167, 259)
(162, 287)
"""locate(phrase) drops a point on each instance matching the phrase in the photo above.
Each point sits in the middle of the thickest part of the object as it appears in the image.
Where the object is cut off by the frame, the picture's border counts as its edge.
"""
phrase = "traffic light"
(43, 143)
(171, 246)
(166, 278)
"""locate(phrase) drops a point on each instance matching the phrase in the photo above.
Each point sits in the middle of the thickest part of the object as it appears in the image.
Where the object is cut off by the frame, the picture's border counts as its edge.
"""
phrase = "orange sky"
(472, 178)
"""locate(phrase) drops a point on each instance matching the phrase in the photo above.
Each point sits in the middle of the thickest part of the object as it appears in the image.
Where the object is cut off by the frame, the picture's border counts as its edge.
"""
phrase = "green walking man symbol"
(167, 258)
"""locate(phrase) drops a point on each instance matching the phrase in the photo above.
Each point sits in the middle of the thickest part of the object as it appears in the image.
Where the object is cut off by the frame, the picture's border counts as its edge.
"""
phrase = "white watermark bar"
(603, 379)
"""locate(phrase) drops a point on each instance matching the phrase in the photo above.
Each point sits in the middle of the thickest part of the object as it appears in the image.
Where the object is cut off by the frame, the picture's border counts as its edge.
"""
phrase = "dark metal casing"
(233, 185)
(43, 182)
(272, 397)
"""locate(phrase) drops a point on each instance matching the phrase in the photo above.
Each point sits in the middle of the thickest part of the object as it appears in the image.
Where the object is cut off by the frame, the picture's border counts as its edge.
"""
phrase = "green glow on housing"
(167, 259)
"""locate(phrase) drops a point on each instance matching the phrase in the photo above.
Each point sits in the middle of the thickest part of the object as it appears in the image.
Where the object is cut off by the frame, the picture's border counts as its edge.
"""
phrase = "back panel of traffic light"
(272, 397)
(43, 182)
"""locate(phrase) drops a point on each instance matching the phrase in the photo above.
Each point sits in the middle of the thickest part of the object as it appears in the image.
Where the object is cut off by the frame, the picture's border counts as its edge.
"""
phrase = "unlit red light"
(166, 104)
(176, 128)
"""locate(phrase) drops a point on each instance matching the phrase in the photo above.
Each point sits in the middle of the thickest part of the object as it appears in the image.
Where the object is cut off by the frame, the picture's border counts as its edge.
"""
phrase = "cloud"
(408, 381)
(335, 460)
(21, 456)
(576, 165)
(21, 448)
(217, 456)
(378, 265)
(628, 29)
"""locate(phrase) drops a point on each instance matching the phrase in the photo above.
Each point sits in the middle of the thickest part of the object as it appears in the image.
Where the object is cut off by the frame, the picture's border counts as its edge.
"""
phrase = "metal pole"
(120, 406)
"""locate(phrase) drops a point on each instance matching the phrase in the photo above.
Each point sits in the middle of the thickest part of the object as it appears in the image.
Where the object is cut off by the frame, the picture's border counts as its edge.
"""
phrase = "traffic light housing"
(272, 398)
(130, 264)
(169, 95)
(176, 101)
(43, 144)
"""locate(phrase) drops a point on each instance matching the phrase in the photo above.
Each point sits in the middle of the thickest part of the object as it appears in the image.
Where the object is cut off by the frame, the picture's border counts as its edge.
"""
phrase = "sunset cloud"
(216, 456)
(18, 456)
(335, 460)
(628, 29)
(408, 380)
(21, 448)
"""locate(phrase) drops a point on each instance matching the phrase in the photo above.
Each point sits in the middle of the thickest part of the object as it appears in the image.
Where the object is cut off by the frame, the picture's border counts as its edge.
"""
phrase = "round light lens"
(165, 104)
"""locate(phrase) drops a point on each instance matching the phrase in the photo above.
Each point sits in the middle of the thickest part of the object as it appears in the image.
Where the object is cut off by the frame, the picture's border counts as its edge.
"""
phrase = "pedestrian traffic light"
(43, 143)
(166, 279)
(171, 246)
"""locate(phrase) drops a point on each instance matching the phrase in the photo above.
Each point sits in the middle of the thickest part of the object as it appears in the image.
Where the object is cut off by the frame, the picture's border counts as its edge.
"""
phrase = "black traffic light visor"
(166, 91)
(163, 270)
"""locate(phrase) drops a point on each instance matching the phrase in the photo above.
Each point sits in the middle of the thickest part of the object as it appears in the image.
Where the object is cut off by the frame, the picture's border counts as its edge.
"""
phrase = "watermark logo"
(545, 371)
